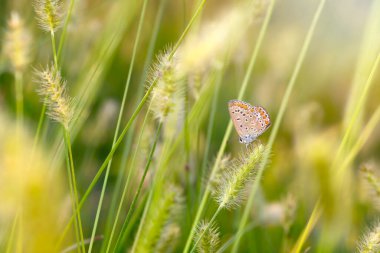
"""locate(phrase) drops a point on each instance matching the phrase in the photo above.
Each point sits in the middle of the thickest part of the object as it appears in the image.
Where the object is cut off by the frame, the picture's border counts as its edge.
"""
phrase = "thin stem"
(19, 98)
(119, 208)
(12, 233)
(348, 159)
(229, 127)
(358, 107)
(210, 128)
(123, 163)
(72, 197)
(39, 127)
(206, 228)
(365, 134)
(119, 121)
(309, 227)
(233, 238)
(193, 18)
(64, 30)
(278, 121)
(74, 185)
(52, 35)
(137, 194)
(128, 125)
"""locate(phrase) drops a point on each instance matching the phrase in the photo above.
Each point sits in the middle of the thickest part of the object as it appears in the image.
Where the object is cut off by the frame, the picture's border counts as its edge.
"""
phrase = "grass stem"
(273, 135)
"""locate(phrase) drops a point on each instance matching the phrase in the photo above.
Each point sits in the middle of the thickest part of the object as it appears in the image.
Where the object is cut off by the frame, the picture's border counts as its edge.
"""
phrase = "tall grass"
(133, 104)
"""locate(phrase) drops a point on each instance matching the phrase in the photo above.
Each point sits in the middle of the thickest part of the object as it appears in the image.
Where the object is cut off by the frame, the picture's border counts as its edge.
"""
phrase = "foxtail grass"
(52, 89)
(229, 190)
(17, 47)
(129, 123)
(243, 88)
(278, 120)
(370, 242)
(118, 121)
(210, 240)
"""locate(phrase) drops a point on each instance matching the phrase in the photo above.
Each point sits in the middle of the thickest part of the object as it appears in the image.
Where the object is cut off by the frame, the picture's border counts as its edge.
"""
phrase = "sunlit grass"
(130, 97)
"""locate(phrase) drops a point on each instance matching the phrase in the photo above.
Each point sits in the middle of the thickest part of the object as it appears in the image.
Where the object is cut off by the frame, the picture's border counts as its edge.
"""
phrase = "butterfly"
(250, 121)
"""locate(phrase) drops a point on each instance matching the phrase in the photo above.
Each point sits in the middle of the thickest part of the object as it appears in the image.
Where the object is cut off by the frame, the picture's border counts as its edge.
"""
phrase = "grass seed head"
(230, 189)
(49, 14)
(17, 43)
(370, 243)
(166, 96)
(53, 90)
(210, 239)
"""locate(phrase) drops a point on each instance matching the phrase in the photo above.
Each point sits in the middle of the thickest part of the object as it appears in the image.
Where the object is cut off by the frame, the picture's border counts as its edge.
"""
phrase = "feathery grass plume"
(167, 208)
(29, 198)
(372, 183)
(53, 89)
(210, 239)
(17, 42)
(370, 242)
(50, 14)
(206, 47)
(290, 207)
(224, 164)
(230, 189)
(279, 213)
(168, 239)
(166, 97)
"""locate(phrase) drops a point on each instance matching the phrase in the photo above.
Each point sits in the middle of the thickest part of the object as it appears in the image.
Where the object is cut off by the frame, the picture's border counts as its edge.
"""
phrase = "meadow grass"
(161, 170)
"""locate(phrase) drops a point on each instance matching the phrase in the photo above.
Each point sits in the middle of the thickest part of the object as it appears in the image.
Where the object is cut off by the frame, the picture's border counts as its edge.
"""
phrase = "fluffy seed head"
(230, 189)
(17, 42)
(210, 239)
(52, 90)
(167, 208)
(206, 48)
(49, 14)
(166, 95)
(370, 243)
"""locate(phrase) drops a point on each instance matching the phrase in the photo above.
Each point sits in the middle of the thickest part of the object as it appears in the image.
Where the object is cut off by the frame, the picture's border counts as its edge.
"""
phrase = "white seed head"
(53, 90)
(370, 243)
(49, 14)
(17, 42)
(230, 189)
(166, 97)
(210, 239)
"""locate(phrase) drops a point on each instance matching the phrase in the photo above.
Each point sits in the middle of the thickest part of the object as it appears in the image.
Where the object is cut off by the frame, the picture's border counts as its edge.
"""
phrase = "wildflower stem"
(121, 238)
(64, 30)
(119, 119)
(229, 127)
(19, 98)
(207, 227)
(278, 121)
(73, 181)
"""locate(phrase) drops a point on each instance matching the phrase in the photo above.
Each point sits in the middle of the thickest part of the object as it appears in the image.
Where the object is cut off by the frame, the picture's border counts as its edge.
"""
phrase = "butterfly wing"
(262, 120)
(248, 120)
(241, 116)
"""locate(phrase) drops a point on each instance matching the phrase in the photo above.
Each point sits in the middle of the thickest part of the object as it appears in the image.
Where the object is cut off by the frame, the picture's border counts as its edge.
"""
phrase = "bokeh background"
(95, 61)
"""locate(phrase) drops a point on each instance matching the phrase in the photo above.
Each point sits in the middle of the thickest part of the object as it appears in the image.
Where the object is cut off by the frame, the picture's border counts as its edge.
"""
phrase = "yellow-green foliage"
(149, 147)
